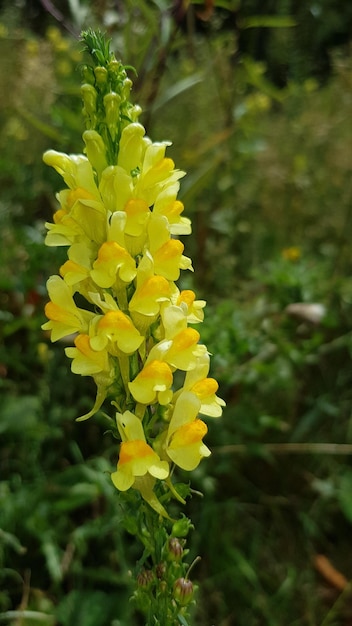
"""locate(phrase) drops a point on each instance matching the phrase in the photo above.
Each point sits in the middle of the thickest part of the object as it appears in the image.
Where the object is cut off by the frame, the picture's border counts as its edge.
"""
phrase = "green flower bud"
(134, 112)
(183, 591)
(101, 75)
(88, 74)
(89, 97)
(181, 527)
(96, 150)
(175, 549)
(112, 106)
(127, 84)
(116, 72)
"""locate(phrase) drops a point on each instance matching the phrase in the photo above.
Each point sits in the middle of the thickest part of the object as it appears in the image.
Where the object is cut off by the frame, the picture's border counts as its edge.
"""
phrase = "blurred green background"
(256, 96)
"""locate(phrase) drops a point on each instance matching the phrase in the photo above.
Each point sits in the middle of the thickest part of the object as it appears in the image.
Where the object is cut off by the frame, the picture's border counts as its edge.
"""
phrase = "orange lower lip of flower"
(186, 338)
(169, 250)
(188, 434)
(115, 320)
(205, 388)
(78, 194)
(82, 344)
(174, 209)
(188, 296)
(58, 314)
(155, 286)
(69, 266)
(110, 250)
(131, 450)
(157, 370)
(58, 215)
(136, 207)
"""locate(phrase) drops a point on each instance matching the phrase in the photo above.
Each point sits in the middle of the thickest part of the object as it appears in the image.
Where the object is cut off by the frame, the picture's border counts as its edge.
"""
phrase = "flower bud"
(88, 75)
(160, 570)
(112, 106)
(175, 549)
(127, 84)
(101, 75)
(115, 72)
(134, 112)
(96, 151)
(145, 578)
(89, 97)
(183, 591)
(181, 527)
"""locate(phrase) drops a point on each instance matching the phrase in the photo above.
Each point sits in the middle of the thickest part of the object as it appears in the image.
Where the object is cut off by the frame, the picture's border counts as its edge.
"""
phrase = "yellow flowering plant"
(120, 218)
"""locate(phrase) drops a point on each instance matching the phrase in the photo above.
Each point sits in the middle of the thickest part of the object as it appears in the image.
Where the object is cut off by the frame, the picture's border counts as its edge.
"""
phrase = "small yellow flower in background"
(291, 254)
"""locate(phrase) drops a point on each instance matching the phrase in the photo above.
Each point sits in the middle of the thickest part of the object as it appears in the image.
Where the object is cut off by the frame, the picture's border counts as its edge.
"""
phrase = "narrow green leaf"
(268, 21)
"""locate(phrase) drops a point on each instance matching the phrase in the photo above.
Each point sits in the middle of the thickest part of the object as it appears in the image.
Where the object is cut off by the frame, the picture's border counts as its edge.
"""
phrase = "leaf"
(176, 90)
(20, 416)
(85, 609)
(27, 617)
(11, 540)
(53, 560)
(268, 21)
(344, 495)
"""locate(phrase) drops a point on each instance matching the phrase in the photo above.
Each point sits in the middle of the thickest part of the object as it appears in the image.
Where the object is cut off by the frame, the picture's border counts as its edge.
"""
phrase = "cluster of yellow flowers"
(121, 222)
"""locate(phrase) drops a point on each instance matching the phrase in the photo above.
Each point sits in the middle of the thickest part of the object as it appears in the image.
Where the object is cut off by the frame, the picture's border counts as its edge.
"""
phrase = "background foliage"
(256, 98)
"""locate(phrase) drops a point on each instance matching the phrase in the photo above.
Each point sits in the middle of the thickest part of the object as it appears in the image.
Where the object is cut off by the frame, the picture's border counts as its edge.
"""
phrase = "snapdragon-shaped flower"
(120, 218)
(137, 458)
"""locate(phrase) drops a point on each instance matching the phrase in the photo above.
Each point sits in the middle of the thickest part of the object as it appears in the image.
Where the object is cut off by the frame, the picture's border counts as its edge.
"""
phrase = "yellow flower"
(77, 268)
(166, 204)
(132, 147)
(117, 328)
(205, 388)
(291, 254)
(87, 361)
(185, 350)
(153, 384)
(115, 187)
(167, 253)
(75, 169)
(151, 171)
(136, 457)
(184, 444)
(180, 348)
(82, 216)
(113, 262)
(193, 308)
(137, 215)
(148, 297)
(64, 316)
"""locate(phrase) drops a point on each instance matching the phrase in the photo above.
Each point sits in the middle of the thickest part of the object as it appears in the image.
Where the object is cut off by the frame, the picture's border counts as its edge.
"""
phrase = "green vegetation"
(262, 126)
